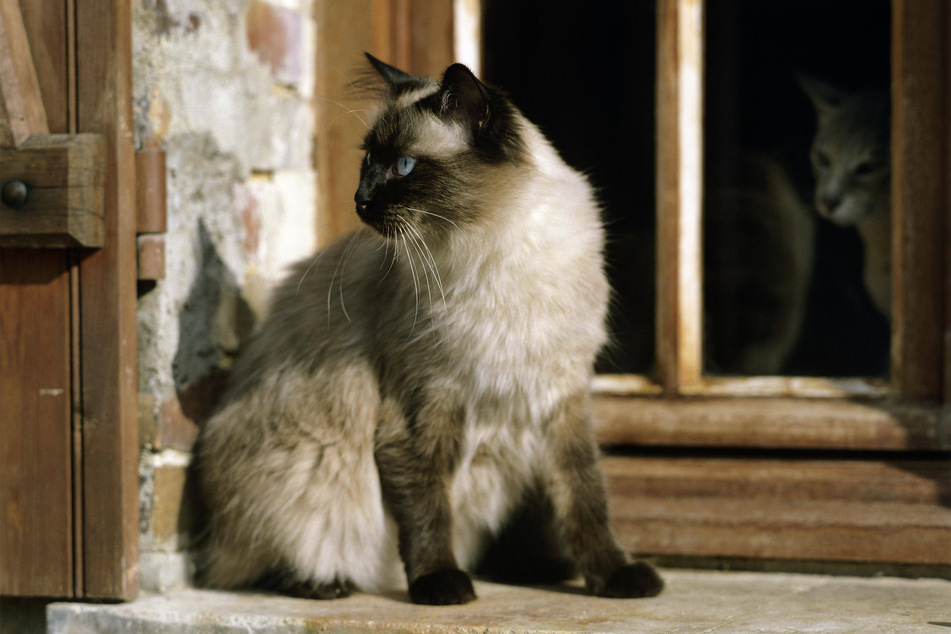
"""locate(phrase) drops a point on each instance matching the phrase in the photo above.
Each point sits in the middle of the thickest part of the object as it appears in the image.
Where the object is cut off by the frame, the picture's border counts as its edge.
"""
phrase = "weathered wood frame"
(921, 359)
(691, 478)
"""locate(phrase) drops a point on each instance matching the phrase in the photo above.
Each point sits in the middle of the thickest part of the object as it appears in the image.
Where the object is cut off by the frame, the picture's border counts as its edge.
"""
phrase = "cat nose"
(362, 200)
(830, 201)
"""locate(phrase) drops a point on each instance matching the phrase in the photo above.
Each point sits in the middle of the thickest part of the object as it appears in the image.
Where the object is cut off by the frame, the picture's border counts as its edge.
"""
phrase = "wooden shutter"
(68, 428)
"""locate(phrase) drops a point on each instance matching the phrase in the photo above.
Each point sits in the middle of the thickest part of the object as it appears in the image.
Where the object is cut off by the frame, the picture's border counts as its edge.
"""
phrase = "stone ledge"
(692, 602)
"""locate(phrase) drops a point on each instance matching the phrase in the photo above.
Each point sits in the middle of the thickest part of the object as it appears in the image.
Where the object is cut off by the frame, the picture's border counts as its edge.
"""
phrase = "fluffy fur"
(425, 378)
(851, 160)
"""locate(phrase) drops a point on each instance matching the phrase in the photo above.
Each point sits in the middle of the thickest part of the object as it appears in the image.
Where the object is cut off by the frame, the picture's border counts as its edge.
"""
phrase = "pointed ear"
(464, 98)
(393, 76)
(824, 97)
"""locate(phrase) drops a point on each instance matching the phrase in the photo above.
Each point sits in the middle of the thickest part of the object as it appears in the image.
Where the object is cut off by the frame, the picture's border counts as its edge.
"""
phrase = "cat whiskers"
(354, 111)
(320, 254)
(429, 213)
(341, 267)
(412, 268)
(386, 253)
(429, 261)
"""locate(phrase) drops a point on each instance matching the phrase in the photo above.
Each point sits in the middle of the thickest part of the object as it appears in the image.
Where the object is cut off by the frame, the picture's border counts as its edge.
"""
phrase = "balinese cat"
(851, 160)
(426, 379)
(758, 255)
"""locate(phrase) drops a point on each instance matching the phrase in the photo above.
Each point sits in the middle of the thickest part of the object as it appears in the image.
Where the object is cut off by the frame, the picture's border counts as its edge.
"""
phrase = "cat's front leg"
(581, 507)
(414, 462)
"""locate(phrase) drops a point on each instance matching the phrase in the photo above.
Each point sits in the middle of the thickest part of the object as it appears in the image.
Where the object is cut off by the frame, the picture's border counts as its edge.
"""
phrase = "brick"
(148, 421)
(276, 35)
(150, 256)
(180, 416)
(169, 515)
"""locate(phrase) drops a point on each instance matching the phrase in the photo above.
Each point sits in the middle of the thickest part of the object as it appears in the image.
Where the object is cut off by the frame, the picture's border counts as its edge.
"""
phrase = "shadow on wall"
(214, 321)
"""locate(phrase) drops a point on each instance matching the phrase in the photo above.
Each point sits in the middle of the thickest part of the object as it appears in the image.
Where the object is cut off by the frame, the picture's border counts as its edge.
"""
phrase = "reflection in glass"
(797, 208)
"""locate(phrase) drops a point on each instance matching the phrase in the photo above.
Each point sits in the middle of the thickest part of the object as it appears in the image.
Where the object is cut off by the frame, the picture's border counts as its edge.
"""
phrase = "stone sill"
(692, 602)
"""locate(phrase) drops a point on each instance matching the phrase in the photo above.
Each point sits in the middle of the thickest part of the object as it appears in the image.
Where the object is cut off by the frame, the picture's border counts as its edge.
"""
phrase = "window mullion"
(679, 192)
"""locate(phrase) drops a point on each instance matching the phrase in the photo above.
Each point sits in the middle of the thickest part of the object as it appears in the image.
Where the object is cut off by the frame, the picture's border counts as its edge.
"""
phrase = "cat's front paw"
(633, 581)
(446, 587)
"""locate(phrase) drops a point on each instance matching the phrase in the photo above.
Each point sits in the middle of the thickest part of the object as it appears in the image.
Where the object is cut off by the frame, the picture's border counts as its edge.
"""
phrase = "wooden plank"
(36, 557)
(791, 423)
(431, 37)
(345, 30)
(22, 113)
(107, 303)
(804, 386)
(829, 531)
(832, 510)
(809, 387)
(679, 191)
(150, 199)
(47, 30)
(923, 482)
(920, 154)
(64, 176)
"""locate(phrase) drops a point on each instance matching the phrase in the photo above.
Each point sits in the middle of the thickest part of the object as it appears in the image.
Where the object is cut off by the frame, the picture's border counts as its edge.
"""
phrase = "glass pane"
(797, 201)
(584, 73)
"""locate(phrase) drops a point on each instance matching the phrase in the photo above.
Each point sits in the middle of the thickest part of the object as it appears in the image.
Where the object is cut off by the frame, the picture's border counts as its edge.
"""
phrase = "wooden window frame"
(908, 411)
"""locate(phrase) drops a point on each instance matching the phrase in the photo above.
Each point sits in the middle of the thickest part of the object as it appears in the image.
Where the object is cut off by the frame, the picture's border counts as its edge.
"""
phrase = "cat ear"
(393, 76)
(464, 98)
(824, 97)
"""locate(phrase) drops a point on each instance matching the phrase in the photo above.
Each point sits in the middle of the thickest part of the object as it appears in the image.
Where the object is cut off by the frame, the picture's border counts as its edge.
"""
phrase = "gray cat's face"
(850, 153)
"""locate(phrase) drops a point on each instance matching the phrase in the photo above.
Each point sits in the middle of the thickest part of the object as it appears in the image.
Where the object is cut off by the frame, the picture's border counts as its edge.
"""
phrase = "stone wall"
(225, 89)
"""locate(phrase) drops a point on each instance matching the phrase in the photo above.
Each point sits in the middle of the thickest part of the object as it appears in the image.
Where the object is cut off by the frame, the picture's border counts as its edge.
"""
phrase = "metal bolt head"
(14, 194)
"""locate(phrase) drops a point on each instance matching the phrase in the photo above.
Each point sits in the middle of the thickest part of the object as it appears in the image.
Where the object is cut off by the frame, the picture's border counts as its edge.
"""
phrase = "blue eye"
(405, 165)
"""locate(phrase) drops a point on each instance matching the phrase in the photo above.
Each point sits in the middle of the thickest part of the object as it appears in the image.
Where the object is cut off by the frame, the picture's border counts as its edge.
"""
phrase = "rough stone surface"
(692, 602)
(226, 89)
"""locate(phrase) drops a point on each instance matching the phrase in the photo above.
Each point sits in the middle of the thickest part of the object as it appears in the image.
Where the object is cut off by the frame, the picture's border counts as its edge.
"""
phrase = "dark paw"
(633, 581)
(446, 587)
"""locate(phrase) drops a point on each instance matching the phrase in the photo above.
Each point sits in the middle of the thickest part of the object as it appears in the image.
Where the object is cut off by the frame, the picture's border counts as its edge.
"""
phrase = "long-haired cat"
(851, 160)
(426, 380)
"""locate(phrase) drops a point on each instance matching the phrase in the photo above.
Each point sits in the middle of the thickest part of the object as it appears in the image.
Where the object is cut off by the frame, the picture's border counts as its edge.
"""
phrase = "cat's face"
(431, 147)
(850, 153)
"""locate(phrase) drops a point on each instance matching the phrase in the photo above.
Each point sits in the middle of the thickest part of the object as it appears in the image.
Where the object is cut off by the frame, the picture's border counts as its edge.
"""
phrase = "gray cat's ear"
(393, 76)
(464, 98)
(825, 97)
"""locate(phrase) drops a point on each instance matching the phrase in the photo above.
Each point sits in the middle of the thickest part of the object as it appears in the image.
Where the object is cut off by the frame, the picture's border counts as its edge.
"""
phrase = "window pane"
(584, 73)
(797, 202)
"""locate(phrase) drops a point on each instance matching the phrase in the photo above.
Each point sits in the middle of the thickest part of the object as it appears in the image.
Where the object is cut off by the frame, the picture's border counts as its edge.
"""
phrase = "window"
(798, 458)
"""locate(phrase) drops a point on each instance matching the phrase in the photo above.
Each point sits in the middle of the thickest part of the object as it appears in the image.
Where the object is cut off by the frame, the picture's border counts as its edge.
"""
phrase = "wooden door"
(68, 430)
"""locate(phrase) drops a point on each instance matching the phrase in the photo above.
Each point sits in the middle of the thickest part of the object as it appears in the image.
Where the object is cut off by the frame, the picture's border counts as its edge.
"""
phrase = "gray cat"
(425, 381)
(851, 160)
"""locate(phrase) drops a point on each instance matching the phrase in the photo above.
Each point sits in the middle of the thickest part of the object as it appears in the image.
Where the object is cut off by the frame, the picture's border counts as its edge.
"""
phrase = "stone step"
(692, 602)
